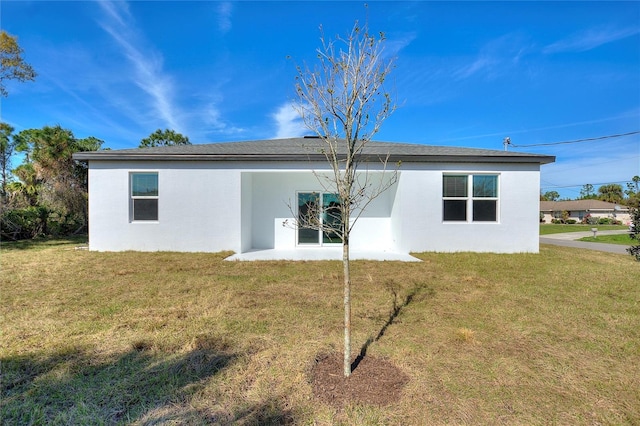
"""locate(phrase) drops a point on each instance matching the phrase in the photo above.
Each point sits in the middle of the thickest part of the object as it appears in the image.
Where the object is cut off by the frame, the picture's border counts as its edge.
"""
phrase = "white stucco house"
(244, 196)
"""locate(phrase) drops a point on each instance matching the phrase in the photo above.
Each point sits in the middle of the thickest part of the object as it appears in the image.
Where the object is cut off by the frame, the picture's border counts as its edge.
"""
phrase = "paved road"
(568, 240)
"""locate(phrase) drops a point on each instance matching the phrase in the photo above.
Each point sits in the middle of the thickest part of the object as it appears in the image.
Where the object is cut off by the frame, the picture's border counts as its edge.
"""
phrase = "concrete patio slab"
(324, 253)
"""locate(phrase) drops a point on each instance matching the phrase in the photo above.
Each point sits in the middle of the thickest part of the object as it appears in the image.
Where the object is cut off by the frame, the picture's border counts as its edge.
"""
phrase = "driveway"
(568, 240)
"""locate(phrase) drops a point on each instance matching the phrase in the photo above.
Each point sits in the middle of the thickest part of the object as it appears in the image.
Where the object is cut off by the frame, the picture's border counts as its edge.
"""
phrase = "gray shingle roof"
(295, 149)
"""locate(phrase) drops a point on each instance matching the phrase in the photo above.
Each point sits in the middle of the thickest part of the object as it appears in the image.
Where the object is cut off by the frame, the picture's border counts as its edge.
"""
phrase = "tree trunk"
(347, 306)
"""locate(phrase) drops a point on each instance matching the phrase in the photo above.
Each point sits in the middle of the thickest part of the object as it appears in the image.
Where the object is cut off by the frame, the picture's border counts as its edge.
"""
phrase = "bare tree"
(343, 100)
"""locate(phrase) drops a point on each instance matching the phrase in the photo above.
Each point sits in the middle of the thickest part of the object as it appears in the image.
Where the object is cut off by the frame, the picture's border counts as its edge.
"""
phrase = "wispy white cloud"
(481, 63)
(147, 63)
(633, 114)
(395, 43)
(614, 160)
(116, 11)
(495, 57)
(569, 174)
(85, 89)
(288, 122)
(215, 125)
(225, 11)
(590, 39)
(99, 120)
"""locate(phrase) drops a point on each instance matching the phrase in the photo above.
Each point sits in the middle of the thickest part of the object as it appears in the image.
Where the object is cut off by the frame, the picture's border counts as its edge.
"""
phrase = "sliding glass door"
(317, 210)
(308, 203)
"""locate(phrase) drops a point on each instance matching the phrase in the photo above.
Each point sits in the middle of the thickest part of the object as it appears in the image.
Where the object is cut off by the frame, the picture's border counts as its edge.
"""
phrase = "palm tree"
(27, 188)
(611, 192)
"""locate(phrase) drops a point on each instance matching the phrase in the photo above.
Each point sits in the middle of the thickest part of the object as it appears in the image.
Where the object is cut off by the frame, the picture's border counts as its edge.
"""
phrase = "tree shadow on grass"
(419, 289)
(270, 411)
(75, 386)
(265, 413)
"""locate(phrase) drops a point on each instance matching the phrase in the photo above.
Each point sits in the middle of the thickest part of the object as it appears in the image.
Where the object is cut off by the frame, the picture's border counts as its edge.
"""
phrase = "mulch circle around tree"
(374, 381)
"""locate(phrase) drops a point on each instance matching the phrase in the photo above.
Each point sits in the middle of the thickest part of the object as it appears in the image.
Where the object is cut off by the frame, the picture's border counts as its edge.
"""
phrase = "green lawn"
(553, 228)
(178, 338)
(622, 239)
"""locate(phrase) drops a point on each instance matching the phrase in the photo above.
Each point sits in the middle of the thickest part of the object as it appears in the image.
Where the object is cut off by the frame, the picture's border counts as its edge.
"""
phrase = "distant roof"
(310, 148)
(582, 205)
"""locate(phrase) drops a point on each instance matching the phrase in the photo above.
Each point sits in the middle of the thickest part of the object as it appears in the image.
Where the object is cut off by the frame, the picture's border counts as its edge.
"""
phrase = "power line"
(577, 140)
(597, 163)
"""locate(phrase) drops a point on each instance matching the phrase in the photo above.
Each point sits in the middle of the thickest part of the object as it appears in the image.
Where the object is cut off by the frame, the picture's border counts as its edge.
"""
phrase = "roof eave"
(115, 156)
(472, 159)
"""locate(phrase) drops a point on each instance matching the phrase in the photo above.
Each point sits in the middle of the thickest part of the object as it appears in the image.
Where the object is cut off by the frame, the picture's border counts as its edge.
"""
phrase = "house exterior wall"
(199, 208)
(214, 206)
(246, 209)
(418, 218)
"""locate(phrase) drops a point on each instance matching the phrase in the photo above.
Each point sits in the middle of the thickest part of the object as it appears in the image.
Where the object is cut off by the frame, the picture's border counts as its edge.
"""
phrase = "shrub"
(590, 220)
(634, 230)
(28, 222)
(604, 221)
(59, 224)
(32, 222)
(570, 221)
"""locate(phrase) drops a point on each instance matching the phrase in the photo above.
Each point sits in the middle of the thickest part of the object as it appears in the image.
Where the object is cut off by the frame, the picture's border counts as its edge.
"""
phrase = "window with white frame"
(144, 196)
(470, 197)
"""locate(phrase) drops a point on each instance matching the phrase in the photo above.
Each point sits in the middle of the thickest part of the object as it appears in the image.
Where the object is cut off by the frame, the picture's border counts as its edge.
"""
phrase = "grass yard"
(175, 338)
(558, 228)
(622, 239)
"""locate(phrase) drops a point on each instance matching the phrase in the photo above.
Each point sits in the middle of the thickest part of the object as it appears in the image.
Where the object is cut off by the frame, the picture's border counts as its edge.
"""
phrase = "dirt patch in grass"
(374, 381)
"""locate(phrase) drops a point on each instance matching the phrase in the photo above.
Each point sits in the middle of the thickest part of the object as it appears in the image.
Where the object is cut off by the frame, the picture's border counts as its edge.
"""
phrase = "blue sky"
(467, 74)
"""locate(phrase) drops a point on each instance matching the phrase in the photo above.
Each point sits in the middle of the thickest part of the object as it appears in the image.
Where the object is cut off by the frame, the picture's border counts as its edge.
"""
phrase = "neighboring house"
(243, 196)
(579, 209)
